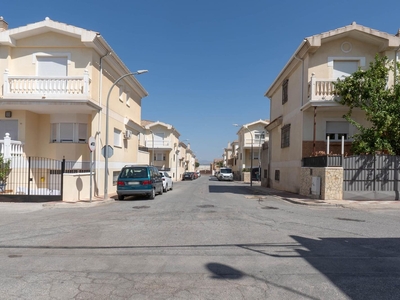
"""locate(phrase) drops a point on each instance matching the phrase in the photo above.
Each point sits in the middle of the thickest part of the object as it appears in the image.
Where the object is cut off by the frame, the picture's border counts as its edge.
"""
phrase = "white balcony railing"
(46, 87)
(321, 89)
(158, 144)
(256, 142)
(10, 148)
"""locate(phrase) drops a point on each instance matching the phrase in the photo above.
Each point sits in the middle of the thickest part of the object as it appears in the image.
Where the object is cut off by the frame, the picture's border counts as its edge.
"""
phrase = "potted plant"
(5, 170)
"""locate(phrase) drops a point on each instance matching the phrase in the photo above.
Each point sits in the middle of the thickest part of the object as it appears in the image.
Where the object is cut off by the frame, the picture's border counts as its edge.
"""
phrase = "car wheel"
(161, 190)
(152, 195)
(120, 197)
(166, 188)
(172, 186)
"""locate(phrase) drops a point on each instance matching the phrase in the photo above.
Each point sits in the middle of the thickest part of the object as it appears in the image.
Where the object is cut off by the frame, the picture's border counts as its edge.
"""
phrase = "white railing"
(321, 89)
(158, 144)
(44, 87)
(256, 142)
(10, 148)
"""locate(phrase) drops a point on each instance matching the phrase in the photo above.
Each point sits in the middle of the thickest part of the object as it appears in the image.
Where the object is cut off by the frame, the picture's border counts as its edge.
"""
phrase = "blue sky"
(209, 62)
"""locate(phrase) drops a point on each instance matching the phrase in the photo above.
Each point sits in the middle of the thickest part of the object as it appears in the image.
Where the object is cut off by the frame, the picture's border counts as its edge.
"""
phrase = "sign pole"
(92, 147)
(91, 174)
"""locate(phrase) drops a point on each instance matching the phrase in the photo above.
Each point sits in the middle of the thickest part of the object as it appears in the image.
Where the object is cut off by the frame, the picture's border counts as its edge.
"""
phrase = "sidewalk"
(303, 200)
(82, 203)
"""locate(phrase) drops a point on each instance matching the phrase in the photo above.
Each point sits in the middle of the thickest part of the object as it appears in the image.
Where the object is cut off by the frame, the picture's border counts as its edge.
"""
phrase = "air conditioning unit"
(128, 134)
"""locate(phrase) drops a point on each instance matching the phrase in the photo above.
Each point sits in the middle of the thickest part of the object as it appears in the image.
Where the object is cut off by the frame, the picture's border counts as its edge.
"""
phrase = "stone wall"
(331, 182)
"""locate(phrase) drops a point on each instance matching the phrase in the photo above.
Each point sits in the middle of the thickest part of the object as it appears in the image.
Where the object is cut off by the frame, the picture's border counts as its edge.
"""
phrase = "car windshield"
(226, 171)
(137, 172)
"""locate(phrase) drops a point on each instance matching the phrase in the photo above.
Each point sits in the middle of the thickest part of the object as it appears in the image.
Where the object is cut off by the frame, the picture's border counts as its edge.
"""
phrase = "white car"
(225, 174)
(166, 181)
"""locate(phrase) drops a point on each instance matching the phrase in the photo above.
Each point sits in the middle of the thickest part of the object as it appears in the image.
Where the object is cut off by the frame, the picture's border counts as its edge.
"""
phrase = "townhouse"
(251, 137)
(59, 92)
(304, 112)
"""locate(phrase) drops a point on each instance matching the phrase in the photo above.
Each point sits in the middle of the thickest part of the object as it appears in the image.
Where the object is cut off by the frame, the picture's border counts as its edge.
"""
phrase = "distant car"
(225, 174)
(187, 176)
(139, 180)
(167, 181)
(198, 173)
(195, 176)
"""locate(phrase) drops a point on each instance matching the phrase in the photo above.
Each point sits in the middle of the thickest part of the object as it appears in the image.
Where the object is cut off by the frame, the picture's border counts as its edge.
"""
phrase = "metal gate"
(369, 177)
(32, 179)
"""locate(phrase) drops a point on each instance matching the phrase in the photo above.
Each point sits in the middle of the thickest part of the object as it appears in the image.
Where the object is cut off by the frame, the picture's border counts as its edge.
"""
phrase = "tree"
(196, 164)
(4, 172)
(369, 91)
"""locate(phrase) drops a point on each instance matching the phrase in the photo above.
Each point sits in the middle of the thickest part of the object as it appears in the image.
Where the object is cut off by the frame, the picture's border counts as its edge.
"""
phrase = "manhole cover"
(205, 206)
(351, 220)
(268, 207)
(140, 207)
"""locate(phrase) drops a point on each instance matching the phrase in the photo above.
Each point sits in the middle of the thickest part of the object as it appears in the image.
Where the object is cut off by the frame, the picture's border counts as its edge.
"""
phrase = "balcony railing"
(256, 142)
(46, 87)
(321, 89)
(10, 148)
(158, 144)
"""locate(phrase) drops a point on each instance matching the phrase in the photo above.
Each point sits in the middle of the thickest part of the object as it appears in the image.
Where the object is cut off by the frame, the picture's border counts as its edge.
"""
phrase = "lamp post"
(259, 156)
(152, 149)
(107, 119)
(251, 155)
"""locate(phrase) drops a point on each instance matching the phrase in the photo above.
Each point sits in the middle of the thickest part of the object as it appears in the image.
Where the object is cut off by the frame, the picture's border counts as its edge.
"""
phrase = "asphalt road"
(204, 240)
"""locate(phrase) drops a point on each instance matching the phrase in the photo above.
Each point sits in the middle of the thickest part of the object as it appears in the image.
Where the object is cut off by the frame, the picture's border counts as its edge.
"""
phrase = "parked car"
(187, 176)
(139, 180)
(167, 181)
(198, 173)
(225, 174)
(195, 176)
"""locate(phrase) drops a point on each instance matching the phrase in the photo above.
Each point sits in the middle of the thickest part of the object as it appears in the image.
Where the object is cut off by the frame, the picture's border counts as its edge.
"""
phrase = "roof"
(385, 41)
(89, 38)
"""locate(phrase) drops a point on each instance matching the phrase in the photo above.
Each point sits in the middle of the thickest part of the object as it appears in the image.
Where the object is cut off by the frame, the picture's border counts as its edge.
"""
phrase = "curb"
(85, 203)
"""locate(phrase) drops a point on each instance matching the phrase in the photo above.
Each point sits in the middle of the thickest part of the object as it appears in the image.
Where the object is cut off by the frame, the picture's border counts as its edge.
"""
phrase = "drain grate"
(268, 207)
(205, 206)
(14, 256)
(140, 207)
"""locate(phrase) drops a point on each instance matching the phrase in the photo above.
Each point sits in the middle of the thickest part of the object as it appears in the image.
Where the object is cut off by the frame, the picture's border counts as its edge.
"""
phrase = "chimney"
(398, 33)
(3, 24)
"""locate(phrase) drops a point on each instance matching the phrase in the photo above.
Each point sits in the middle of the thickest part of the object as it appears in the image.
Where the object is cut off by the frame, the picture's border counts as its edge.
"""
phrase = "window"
(285, 91)
(277, 175)
(240, 156)
(255, 155)
(285, 136)
(159, 157)
(9, 126)
(336, 129)
(68, 133)
(117, 137)
(259, 137)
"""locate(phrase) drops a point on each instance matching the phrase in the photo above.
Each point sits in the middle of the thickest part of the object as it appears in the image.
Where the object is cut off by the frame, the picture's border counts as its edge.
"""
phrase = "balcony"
(256, 143)
(38, 87)
(320, 89)
(163, 144)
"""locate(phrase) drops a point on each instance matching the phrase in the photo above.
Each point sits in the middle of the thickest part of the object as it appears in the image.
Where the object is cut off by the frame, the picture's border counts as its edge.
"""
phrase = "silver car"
(167, 181)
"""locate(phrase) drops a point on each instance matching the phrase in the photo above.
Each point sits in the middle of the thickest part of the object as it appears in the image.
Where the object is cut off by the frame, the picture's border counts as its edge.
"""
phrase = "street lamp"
(107, 117)
(251, 158)
(152, 150)
(259, 156)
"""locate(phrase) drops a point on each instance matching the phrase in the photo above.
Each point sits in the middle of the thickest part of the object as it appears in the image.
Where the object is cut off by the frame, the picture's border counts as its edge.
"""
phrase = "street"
(205, 239)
